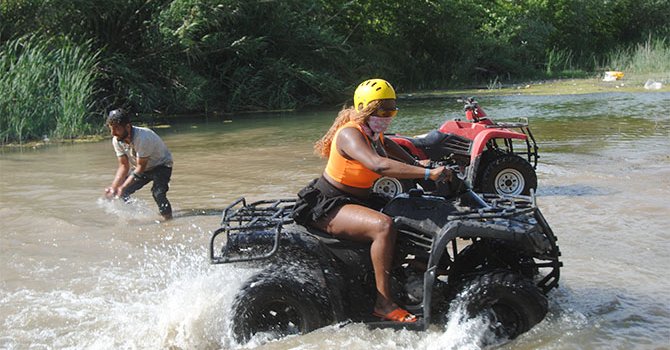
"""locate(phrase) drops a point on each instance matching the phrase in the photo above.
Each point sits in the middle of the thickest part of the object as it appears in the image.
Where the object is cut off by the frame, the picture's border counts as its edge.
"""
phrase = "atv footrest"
(419, 325)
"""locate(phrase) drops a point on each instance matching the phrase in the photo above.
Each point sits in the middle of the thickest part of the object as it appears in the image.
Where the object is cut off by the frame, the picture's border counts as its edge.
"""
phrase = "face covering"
(379, 124)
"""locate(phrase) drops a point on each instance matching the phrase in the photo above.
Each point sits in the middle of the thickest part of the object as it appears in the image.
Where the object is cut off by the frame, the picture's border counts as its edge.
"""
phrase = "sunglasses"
(386, 113)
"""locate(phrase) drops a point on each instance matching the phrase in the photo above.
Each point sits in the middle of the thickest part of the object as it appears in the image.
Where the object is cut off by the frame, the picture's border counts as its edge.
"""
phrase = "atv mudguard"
(536, 242)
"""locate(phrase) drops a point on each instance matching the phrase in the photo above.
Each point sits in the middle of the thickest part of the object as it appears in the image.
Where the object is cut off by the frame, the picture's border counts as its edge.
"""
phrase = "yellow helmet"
(372, 90)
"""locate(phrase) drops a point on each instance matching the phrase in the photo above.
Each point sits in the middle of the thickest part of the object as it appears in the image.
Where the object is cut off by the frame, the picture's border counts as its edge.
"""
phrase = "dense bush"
(46, 88)
(178, 56)
(253, 55)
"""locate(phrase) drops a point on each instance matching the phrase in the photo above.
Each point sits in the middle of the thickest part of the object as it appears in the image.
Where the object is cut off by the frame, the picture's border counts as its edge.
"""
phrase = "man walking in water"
(150, 158)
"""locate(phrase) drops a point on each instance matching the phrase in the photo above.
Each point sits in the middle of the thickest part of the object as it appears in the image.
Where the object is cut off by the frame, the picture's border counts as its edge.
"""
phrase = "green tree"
(255, 54)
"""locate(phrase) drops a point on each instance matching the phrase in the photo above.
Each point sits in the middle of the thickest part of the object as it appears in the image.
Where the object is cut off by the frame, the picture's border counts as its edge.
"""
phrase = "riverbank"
(554, 87)
(36, 144)
(635, 83)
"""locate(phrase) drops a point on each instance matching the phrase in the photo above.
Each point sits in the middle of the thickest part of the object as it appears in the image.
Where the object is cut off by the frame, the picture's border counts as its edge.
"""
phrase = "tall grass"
(652, 56)
(76, 76)
(562, 63)
(648, 59)
(46, 88)
(558, 60)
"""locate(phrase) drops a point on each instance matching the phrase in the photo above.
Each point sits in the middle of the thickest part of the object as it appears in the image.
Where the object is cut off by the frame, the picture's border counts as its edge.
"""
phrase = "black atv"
(494, 254)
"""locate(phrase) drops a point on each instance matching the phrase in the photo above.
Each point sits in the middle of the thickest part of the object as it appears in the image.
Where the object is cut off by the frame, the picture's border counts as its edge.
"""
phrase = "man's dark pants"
(160, 175)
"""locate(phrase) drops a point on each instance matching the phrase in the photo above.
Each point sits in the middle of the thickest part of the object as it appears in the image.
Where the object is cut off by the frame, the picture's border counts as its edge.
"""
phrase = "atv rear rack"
(244, 223)
(531, 144)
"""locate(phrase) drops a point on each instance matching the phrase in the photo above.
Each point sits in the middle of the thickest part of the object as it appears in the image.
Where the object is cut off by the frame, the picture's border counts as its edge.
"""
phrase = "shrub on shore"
(46, 88)
(649, 57)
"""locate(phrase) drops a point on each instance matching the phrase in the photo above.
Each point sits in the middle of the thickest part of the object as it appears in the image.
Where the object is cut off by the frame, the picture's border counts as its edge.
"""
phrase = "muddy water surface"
(77, 271)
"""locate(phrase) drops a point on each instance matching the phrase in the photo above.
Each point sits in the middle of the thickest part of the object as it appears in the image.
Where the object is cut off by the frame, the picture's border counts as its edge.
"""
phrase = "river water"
(80, 272)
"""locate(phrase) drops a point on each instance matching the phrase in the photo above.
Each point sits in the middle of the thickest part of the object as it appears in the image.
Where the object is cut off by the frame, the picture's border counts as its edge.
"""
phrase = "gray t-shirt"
(144, 143)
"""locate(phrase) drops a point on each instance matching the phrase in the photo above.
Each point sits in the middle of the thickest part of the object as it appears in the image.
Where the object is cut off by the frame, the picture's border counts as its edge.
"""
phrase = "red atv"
(485, 149)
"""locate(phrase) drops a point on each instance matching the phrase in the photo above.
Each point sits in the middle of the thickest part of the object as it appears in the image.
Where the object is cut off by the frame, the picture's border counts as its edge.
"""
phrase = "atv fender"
(480, 141)
(306, 241)
(524, 236)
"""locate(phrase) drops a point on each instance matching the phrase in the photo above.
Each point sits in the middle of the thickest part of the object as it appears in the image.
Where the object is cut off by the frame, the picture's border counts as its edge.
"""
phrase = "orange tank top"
(350, 172)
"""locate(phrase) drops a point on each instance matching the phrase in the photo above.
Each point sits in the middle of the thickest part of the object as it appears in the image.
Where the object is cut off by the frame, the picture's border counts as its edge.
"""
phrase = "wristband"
(426, 175)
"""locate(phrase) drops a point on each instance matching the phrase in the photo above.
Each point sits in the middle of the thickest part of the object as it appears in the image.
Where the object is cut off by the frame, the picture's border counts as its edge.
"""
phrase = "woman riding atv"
(339, 201)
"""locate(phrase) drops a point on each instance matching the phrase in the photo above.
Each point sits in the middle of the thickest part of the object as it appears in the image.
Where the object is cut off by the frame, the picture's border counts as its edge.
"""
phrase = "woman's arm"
(352, 144)
(396, 152)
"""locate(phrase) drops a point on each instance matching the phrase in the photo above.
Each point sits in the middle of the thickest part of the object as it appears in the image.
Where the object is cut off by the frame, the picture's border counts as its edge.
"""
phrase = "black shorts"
(320, 197)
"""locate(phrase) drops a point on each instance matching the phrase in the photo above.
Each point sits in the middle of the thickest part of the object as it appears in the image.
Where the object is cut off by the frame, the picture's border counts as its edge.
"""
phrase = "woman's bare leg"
(359, 223)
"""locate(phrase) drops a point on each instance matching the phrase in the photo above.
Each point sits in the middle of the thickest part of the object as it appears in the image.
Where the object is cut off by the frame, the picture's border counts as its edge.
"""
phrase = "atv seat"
(331, 240)
(436, 139)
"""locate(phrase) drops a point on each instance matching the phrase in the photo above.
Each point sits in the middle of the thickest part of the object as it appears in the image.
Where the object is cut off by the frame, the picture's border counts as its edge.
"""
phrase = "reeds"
(651, 56)
(559, 60)
(46, 88)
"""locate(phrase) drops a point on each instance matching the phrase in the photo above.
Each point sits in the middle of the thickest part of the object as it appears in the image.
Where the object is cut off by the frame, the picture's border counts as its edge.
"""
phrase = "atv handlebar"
(472, 110)
(455, 169)
(469, 103)
(457, 187)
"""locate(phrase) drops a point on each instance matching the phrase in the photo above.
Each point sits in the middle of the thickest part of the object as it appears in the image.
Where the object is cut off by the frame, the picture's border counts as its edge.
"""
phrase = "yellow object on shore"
(613, 75)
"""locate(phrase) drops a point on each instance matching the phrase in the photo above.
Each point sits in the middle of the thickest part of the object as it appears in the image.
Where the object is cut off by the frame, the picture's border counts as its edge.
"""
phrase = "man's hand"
(112, 193)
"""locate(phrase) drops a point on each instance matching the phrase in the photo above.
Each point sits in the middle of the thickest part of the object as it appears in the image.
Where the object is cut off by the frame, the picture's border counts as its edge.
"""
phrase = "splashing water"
(133, 210)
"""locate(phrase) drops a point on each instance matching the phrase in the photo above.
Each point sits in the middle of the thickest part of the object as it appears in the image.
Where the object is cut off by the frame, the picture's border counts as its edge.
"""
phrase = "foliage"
(254, 55)
(652, 56)
(46, 88)
(178, 56)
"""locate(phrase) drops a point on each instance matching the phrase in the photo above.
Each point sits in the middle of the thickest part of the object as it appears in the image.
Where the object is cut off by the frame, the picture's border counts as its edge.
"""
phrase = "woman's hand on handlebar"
(426, 163)
(441, 174)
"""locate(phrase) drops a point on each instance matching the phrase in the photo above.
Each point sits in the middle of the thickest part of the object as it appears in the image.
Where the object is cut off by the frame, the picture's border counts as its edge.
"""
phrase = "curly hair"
(322, 147)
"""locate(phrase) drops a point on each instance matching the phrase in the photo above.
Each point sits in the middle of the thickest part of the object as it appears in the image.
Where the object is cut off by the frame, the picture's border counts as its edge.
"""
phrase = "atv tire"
(281, 300)
(512, 303)
(508, 175)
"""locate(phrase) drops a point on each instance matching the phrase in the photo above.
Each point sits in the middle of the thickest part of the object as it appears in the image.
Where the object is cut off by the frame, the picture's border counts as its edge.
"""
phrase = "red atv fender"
(480, 133)
(479, 143)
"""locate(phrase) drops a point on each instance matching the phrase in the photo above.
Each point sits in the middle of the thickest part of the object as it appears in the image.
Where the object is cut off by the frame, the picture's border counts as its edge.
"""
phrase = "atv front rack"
(498, 206)
(243, 224)
(521, 207)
